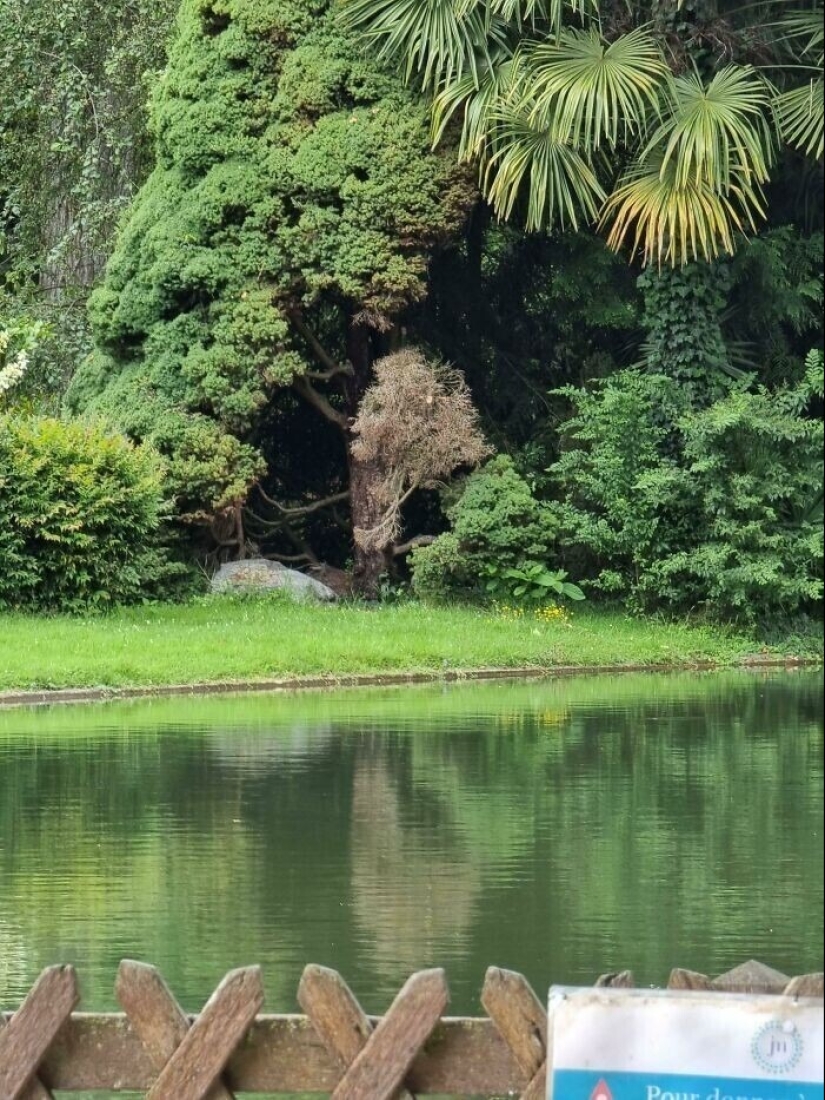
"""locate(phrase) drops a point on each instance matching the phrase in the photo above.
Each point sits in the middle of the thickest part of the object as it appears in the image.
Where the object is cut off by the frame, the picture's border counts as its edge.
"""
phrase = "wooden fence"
(334, 1048)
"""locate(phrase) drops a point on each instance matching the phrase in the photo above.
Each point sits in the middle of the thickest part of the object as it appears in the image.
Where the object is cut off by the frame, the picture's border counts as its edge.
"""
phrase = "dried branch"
(416, 426)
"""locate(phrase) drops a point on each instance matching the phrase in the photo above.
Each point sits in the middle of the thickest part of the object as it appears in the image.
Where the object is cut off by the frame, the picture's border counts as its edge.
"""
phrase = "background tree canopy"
(318, 185)
(287, 225)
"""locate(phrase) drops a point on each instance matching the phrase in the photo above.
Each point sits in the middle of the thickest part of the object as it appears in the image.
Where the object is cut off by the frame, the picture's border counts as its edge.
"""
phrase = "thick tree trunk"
(369, 563)
(364, 345)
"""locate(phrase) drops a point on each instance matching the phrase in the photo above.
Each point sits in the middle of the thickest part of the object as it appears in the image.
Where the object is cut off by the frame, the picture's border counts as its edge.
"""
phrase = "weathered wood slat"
(522, 1022)
(336, 1015)
(157, 1018)
(207, 1046)
(806, 985)
(752, 977)
(382, 1064)
(341, 1023)
(30, 1032)
(35, 1090)
(461, 1057)
(616, 979)
(688, 979)
(281, 1054)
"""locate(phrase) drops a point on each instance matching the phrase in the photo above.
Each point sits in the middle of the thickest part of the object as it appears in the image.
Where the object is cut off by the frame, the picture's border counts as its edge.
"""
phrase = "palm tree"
(571, 124)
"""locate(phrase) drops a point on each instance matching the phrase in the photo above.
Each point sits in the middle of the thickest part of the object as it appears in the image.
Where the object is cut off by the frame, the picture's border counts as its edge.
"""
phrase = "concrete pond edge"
(51, 696)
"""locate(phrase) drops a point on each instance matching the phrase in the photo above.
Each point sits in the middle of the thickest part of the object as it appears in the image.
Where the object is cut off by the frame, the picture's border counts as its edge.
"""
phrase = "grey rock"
(261, 574)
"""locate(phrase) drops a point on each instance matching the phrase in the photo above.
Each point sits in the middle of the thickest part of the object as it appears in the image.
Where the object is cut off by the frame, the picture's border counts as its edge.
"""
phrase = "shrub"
(496, 523)
(625, 503)
(80, 517)
(755, 467)
(717, 508)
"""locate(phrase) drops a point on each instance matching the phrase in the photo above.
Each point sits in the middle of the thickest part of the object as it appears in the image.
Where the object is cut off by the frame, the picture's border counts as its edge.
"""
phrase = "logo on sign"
(777, 1046)
(601, 1091)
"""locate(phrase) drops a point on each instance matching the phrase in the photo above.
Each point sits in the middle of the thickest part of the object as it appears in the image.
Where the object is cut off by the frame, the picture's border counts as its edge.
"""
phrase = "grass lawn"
(217, 639)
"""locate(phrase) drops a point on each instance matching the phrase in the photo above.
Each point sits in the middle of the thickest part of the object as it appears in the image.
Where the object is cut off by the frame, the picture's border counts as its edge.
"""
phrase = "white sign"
(619, 1044)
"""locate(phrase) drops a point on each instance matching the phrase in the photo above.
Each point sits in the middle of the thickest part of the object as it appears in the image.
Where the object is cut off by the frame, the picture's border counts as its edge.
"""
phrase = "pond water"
(562, 828)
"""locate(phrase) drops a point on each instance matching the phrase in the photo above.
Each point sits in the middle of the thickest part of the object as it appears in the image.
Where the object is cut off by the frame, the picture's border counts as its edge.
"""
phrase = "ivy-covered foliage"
(294, 190)
(682, 316)
(82, 514)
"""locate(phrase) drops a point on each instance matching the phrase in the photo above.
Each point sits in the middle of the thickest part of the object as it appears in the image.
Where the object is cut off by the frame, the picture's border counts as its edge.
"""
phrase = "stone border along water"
(50, 696)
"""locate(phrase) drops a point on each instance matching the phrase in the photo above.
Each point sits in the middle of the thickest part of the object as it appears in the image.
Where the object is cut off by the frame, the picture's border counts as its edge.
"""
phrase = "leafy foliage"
(533, 582)
(682, 315)
(496, 523)
(716, 507)
(773, 313)
(81, 512)
(294, 189)
(755, 469)
(552, 97)
(74, 77)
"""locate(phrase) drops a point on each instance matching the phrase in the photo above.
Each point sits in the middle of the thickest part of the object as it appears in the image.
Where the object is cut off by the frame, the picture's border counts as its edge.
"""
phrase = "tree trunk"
(368, 563)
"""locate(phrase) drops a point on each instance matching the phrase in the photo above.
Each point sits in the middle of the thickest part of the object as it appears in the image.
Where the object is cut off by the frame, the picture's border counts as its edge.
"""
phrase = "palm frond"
(560, 185)
(808, 26)
(439, 40)
(800, 115)
(717, 131)
(671, 220)
(594, 90)
(478, 100)
(546, 14)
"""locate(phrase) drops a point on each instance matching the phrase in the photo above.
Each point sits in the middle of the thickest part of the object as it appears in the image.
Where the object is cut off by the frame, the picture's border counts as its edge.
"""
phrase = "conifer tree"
(285, 230)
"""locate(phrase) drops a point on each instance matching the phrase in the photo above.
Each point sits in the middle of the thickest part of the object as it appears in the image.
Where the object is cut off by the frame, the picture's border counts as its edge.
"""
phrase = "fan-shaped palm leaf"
(560, 185)
(800, 114)
(546, 14)
(595, 90)
(715, 131)
(806, 25)
(439, 40)
(671, 220)
(480, 100)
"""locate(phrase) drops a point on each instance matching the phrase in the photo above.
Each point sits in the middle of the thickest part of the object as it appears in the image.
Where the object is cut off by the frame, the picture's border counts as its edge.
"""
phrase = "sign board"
(620, 1044)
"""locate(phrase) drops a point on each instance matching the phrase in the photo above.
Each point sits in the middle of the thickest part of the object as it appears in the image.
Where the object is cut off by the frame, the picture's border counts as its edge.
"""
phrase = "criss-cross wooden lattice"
(189, 1058)
(31, 1031)
(375, 1061)
(334, 1049)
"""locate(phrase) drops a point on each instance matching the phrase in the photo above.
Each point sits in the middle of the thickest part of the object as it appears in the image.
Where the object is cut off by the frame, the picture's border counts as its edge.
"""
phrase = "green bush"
(755, 468)
(497, 524)
(716, 508)
(80, 517)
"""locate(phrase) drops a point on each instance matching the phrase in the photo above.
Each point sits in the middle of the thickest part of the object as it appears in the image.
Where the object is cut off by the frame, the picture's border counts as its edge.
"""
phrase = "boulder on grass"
(261, 575)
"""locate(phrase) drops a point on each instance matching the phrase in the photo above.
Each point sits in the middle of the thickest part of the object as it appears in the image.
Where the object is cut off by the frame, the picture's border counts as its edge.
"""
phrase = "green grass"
(218, 639)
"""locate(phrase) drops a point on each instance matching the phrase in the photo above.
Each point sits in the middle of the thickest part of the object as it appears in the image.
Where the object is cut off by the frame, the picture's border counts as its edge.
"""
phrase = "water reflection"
(563, 829)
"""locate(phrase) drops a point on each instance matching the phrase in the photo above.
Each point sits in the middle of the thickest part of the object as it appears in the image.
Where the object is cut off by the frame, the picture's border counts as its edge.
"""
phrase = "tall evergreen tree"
(285, 230)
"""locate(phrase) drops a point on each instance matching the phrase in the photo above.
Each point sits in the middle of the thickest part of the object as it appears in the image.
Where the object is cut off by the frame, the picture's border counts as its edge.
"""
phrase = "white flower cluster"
(14, 370)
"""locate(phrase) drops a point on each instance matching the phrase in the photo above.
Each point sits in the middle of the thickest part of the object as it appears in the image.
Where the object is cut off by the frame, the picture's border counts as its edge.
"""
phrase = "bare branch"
(325, 375)
(319, 402)
(411, 544)
(331, 368)
(304, 509)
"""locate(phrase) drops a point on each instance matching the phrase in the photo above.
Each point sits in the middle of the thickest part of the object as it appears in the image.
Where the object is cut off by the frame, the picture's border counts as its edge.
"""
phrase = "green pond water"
(561, 828)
